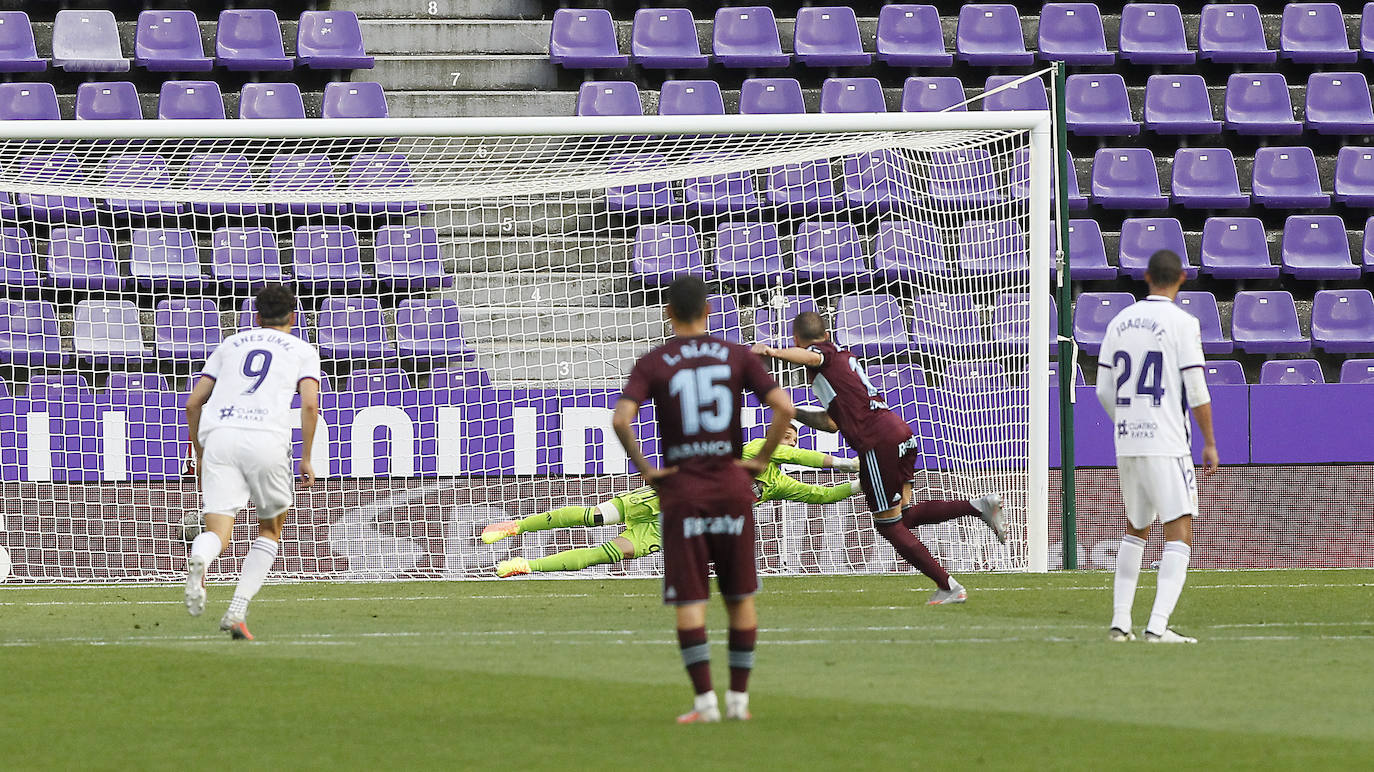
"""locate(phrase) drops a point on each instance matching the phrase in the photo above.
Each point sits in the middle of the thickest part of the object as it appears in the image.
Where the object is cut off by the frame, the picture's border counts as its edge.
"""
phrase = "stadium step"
(447, 9)
(537, 289)
(520, 325)
(465, 73)
(449, 104)
(545, 253)
(588, 363)
(437, 36)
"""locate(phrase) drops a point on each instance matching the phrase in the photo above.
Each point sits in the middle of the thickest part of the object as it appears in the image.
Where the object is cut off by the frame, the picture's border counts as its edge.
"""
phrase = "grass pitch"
(853, 673)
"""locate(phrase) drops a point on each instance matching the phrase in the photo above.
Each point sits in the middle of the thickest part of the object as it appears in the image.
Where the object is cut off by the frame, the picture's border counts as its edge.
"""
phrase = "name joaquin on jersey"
(1151, 326)
(698, 449)
(697, 350)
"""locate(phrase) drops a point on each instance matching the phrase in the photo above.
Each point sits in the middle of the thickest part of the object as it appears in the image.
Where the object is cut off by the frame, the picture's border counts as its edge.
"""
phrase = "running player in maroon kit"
(886, 449)
(705, 491)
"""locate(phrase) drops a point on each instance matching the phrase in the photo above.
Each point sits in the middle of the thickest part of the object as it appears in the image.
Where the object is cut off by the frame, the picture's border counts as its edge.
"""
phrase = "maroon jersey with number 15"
(856, 407)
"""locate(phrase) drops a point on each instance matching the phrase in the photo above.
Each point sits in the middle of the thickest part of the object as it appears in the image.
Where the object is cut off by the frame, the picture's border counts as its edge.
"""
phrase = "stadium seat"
(83, 258)
(49, 167)
(1236, 248)
(169, 41)
(1266, 322)
(1152, 33)
(352, 328)
(458, 380)
(956, 178)
(363, 99)
(690, 97)
(647, 199)
(1286, 178)
(327, 259)
(878, 181)
(1224, 372)
(1029, 95)
(142, 172)
(1010, 321)
(1355, 176)
(7, 205)
(247, 320)
(250, 40)
(1072, 33)
(747, 38)
(773, 322)
(748, 253)
(1315, 33)
(1126, 178)
(28, 102)
(720, 194)
(87, 41)
(771, 96)
(584, 37)
(407, 258)
(430, 329)
(226, 172)
(801, 188)
(17, 50)
(1092, 312)
(1357, 371)
(245, 258)
(1258, 103)
(186, 328)
(29, 335)
(303, 172)
(107, 332)
(122, 385)
(108, 101)
(18, 261)
(1142, 237)
(390, 175)
(368, 385)
(1078, 378)
(828, 251)
(828, 36)
(903, 250)
(166, 260)
(932, 94)
(1291, 372)
(852, 95)
(609, 97)
(969, 377)
(1367, 32)
(1315, 248)
(1203, 307)
(190, 99)
(1233, 33)
(1205, 178)
(271, 101)
(871, 325)
(1343, 321)
(722, 318)
(1077, 201)
(1367, 259)
(1178, 104)
(665, 39)
(331, 40)
(992, 247)
(910, 36)
(1097, 106)
(1087, 254)
(663, 252)
(989, 35)
(940, 321)
(1338, 103)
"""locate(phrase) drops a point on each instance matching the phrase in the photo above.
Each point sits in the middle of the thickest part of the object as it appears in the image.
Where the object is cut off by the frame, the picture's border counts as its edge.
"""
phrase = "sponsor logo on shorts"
(697, 526)
(1136, 430)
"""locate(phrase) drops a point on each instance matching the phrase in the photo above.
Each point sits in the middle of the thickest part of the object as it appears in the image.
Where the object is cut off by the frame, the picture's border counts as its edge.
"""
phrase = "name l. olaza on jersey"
(698, 349)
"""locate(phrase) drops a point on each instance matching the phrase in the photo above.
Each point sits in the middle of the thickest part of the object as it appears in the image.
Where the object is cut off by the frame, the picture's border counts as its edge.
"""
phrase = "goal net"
(478, 291)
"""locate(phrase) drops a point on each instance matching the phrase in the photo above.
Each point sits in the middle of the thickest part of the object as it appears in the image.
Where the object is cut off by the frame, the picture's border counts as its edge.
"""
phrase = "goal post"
(478, 288)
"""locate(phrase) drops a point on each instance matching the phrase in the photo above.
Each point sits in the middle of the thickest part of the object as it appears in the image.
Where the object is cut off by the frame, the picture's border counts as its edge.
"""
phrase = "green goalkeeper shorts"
(640, 508)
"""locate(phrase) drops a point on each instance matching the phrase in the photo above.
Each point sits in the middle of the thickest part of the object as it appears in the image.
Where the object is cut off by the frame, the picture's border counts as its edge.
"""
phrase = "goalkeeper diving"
(639, 509)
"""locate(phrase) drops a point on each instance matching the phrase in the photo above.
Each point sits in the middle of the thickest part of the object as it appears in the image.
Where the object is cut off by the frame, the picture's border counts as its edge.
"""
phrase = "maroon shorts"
(705, 529)
(885, 469)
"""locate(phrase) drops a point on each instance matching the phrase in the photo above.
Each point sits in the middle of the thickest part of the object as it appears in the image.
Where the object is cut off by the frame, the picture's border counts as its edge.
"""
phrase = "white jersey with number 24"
(256, 374)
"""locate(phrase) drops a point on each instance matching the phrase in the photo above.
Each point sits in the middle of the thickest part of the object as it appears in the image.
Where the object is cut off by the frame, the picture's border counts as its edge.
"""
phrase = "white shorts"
(239, 465)
(1157, 486)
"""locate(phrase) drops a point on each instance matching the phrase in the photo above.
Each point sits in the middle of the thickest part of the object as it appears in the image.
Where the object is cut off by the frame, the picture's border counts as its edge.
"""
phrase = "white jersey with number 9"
(256, 374)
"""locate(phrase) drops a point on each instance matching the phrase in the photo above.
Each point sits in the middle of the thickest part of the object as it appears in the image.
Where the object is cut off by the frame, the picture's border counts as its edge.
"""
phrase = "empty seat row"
(389, 383)
(170, 41)
(189, 99)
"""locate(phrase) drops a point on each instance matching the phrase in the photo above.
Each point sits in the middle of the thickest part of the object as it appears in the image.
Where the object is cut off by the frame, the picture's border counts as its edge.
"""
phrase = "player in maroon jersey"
(886, 450)
(705, 491)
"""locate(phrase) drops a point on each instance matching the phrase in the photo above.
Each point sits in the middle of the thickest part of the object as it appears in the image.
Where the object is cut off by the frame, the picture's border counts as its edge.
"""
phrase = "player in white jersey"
(1149, 373)
(239, 416)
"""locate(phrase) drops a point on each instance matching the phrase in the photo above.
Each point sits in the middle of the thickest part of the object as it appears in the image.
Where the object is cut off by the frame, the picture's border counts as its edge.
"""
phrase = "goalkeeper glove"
(845, 464)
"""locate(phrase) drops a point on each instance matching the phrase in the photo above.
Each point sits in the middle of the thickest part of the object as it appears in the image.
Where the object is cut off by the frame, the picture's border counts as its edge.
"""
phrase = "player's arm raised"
(793, 354)
(310, 416)
(819, 420)
(813, 458)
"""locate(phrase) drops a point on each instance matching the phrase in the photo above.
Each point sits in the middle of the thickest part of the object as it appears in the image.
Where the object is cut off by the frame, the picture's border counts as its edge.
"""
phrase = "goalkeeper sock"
(578, 559)
(207, 545)
(912, 550)
(563, 517)
(696, 656)
(1173, 570)
(930, 512)
(741, 657)
(1128, 557)
(261, 555)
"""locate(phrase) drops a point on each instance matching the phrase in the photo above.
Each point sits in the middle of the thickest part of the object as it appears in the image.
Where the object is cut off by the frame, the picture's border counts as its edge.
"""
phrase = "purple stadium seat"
(1029, 95)
(940, 321)
(169, 41)
(1338, 103)
(1097, 106)
(247, 320)
(1258, 103)
(871, 325)
(773, 322)
(17, 50)
(1343, 321)
(804, 188)
(327, 259)
(852, 95)
(1152, 33)
(407, 257)
(29, 335)
(365, 383)
(905, 250)
(1291, 372)
(228, 172)
(829, 251)
(666, 39)
(1077, 201)
(108, 332)
(1367, 32)
(992, 247)
(190, 99)
(1315, 32)
(389, 175)
(303, 172)
(910, 36)
(1126, 178)
(141, 172)
(1224, 372)
(933, 94)
(1078, 378)
(584, 37)
(331, 40)
(748, 253)
(83, 258)
(28, 102)
(61, 168)
(1010, 321)
(1286, 178)
(1205, 178)
(250, 40)
(1232, 33)
(989, 35)
(747, 37)
(645, 199)
(245, 258)
(828, 36)
(962, 178)
(663, 252)
(1142, 237)
(972, 377)
(450, 379)
(1092, 312)
(271, 100)
(1357, 371)
(1072, 33)
(87, 41)
(1315, 248)
(166, 259)
(878, 180)
(1355, 176)
(690, 97)
(108, 101)
(1178, 104)
(352, 328)
(1203, 307)
(771, 96)
(719, 194)
(1236, 248)
(1367, 259)
(354, 100)
(1266, 322)
(186, 329)
(1087, 255)
(18, 261)
(722, 320)
(430, 329)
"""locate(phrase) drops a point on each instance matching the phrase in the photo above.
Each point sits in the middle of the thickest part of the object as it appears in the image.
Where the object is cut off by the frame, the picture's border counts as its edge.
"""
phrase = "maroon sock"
(913, 551)
(741, 657)
(696, 655)
(929, 512)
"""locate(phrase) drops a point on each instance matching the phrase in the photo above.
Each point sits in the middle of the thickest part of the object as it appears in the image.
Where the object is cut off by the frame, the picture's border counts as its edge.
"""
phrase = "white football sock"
(207, 545)
(261, 554)
(1173, 570)
(1128, 557)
